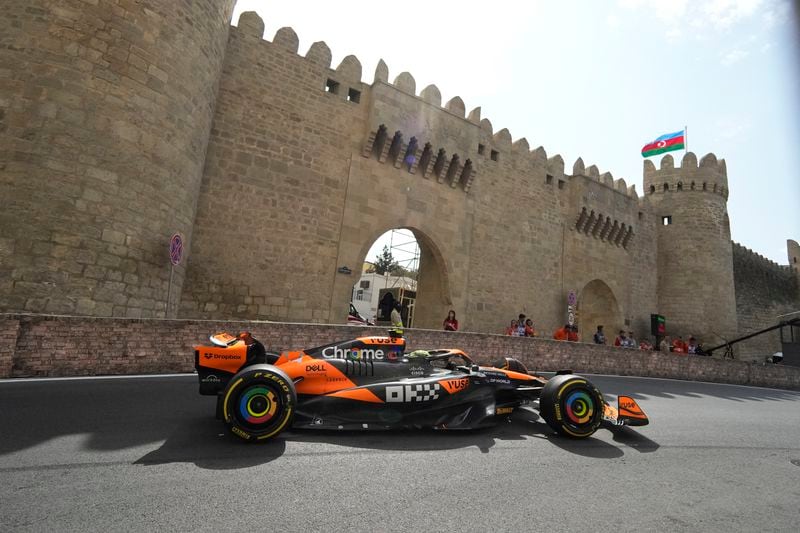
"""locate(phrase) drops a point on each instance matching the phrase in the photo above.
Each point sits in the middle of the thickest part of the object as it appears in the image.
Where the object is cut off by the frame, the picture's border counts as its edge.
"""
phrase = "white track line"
(81, 378)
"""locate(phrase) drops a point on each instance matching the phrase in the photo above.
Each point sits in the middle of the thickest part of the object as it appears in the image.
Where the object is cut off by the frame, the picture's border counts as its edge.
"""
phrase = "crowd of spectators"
(523, 327)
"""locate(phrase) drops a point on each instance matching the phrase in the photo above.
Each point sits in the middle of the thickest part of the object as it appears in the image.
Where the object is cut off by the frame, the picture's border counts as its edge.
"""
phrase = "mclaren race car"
(372, 383)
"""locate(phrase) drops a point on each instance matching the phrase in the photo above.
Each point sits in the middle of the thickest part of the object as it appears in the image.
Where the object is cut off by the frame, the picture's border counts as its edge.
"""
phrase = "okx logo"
(412, 393)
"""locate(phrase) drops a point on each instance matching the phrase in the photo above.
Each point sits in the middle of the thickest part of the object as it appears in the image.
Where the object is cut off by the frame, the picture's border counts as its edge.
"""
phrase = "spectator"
(620, 340)
(450, 323)
(386, 306)
(397, 318)
(572, 333)
(663, 346)
(529, 331)
(645, 345)
(521, 325)
(692, 347)
(678, 345)
(512, 329)
(562, 334)
(599, 336)
(631, 341)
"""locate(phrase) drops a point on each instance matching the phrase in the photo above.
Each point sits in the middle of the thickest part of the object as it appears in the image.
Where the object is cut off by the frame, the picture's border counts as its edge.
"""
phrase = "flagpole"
(685, 140)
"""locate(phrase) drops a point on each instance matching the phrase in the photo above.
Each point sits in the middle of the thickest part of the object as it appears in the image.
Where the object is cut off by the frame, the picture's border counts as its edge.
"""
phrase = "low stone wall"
(38, 345)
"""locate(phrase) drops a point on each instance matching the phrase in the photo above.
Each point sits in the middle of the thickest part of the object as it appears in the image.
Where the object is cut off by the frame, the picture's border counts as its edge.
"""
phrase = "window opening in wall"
(455, 162)
(395, 147)
(364, 284)
(494, 155)
(466, 172)
(439, 164)
(652, 189)
(641, 215)
(549, 179)
(353, 96)
(680, 185)
(705, 186)
(425, 158)
(666, 187)
(332, 86)
(411, 153)
(380, 142)
(481, 149)
(667, 220)
(561, 184)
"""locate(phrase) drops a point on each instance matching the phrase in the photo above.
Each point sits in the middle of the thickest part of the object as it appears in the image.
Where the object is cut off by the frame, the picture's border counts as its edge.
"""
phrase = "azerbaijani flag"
(665, 143)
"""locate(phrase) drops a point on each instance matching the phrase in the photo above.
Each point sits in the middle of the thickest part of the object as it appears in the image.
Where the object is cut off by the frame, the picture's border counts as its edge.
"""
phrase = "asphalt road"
(147, 454)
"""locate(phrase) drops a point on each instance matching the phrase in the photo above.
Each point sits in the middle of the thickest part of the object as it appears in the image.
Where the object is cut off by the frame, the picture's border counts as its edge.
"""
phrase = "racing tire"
(572, 406)
(258, 403)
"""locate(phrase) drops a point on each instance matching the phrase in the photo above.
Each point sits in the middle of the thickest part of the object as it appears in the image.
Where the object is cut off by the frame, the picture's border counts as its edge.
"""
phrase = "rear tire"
(572, 406)
(258, 403)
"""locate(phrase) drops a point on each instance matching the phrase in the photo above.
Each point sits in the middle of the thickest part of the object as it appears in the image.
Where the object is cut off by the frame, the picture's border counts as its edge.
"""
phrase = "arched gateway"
(597, 305)
(433, 294)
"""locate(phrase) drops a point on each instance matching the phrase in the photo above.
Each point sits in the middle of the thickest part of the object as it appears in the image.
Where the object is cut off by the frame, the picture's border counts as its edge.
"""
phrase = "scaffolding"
(405, 250)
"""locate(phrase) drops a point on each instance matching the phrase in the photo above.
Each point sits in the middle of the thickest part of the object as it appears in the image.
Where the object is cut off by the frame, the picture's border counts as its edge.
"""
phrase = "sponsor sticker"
(355, 354)
(455, 385)
(423, 392)
(221, 356)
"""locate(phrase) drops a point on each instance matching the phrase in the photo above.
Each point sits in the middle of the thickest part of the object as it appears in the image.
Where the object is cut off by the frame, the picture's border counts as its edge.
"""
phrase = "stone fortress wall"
(279, 170)
(764, 290)
(105, 112)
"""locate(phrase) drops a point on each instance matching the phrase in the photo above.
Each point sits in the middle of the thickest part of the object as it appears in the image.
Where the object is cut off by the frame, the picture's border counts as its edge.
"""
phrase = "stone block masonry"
(38, 345)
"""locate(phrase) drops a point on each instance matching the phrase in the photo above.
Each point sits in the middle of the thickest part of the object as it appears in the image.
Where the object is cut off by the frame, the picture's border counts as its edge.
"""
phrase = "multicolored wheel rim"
(257, 405)
(580, 407)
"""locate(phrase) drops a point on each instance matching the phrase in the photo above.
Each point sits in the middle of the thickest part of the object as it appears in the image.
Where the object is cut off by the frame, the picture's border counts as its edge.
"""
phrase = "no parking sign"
(176, 249)
(572, 300)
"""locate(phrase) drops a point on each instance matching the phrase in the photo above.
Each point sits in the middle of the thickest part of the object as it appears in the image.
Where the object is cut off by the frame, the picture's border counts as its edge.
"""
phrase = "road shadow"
(117, 414)
(193, 443)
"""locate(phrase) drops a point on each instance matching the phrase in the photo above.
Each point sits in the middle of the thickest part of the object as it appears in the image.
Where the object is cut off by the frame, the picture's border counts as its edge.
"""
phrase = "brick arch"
(597, 305)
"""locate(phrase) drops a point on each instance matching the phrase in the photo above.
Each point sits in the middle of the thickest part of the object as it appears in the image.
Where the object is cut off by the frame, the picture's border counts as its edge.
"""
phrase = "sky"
(599, 80)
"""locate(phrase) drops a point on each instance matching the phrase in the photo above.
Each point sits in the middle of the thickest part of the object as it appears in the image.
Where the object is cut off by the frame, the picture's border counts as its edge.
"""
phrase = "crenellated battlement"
(606, 179)
(496, 146)
(710, 175)
(755, 259)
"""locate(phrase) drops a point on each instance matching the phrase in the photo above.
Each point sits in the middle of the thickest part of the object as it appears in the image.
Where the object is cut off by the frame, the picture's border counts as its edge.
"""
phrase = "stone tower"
(695, 265)
(105, 114)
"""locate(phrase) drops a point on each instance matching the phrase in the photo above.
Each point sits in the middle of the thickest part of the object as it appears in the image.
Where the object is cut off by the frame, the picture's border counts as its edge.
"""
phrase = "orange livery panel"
(229, 359)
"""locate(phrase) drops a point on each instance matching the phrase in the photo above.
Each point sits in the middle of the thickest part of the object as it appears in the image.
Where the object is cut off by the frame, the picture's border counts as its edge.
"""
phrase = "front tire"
(572, 406)
(258, 403)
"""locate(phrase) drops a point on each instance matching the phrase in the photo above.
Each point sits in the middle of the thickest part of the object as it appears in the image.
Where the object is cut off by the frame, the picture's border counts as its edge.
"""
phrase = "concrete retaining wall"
(40, 345)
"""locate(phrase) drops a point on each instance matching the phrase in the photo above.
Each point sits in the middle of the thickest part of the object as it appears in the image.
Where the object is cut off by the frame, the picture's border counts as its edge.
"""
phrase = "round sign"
(176, 249)
(571, 298)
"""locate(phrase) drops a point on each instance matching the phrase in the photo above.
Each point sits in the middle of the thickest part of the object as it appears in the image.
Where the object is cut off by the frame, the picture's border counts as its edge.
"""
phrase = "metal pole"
(685, 139)
(169, 290)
